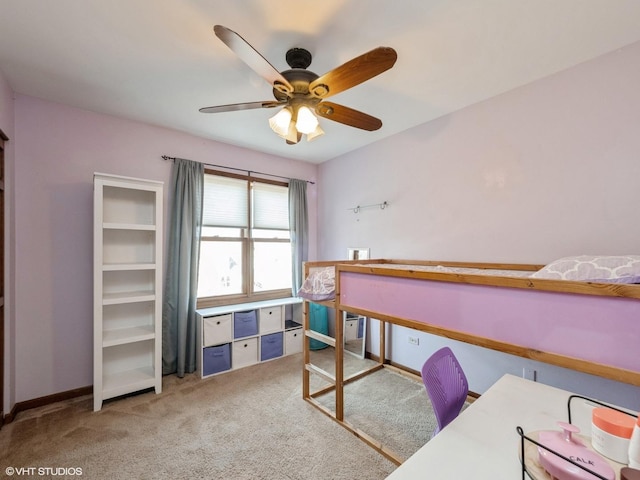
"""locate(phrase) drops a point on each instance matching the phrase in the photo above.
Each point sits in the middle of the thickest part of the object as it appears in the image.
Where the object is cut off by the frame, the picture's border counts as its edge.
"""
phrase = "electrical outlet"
(414, 340)
(529, 373)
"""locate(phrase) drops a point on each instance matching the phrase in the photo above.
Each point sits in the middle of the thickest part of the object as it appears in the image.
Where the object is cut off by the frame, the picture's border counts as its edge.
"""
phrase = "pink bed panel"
(595, 329)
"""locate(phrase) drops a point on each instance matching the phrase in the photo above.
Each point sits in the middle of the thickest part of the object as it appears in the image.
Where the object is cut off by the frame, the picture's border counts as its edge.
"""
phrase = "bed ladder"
(337, 381)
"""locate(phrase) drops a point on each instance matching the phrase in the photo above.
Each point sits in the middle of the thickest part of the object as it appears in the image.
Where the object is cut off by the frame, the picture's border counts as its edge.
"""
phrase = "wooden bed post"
(339, 350)
(305, 351)
(305, 343)
(383, 341)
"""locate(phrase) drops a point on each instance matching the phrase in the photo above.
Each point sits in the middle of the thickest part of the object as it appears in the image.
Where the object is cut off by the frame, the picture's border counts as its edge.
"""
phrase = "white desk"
(482, 443)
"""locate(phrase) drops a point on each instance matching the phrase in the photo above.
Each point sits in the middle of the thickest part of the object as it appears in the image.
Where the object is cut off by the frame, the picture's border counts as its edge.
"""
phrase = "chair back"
(446, 385)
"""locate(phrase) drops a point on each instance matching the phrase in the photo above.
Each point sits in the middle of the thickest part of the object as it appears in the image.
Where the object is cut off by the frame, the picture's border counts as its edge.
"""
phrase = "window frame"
(247, 241)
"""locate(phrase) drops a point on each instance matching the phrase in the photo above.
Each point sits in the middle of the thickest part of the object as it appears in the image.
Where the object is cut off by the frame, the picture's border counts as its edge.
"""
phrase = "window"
(245, 248)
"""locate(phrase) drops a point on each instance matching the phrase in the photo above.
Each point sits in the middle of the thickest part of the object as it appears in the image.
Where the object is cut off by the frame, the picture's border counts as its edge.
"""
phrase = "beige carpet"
(247, 424)
(389, 406)
(385, 406)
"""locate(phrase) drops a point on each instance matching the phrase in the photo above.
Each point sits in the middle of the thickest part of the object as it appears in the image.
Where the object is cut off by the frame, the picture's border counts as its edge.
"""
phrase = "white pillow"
(319, 285)
(594, 268)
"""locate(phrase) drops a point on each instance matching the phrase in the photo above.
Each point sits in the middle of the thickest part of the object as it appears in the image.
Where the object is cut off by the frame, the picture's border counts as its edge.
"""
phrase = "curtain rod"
(166, 157)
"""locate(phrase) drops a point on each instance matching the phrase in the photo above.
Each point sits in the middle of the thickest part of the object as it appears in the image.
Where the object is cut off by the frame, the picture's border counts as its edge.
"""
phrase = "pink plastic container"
(565, 444)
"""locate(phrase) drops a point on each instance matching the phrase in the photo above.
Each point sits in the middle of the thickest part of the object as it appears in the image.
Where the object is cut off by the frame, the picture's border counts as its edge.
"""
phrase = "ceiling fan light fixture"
(307, 121)
(302, 92)
(318, 132)
(280, 122)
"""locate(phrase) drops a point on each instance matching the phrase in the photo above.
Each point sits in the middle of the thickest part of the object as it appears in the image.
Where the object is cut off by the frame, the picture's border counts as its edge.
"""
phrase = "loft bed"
(580, 313)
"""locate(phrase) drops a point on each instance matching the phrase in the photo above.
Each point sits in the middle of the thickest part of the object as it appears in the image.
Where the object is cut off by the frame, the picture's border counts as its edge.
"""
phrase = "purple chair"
(446, 385)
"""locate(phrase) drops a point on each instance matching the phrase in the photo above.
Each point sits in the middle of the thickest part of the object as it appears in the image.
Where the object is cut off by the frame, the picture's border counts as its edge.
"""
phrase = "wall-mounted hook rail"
(357, 208)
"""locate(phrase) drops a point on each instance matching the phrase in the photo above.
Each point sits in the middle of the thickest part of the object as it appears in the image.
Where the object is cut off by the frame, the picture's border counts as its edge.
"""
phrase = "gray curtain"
(299, 229)
(178, 310)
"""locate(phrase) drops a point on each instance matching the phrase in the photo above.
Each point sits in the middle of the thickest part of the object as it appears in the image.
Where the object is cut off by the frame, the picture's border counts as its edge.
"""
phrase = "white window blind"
(225, 202)
(270, 206)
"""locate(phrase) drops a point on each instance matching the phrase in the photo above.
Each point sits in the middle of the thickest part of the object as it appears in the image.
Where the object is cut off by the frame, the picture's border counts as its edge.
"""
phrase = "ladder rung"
(321, 337)
(321, 373)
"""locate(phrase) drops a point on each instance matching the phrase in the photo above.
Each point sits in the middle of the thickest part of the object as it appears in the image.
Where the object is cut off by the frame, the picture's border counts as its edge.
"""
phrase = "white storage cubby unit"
(353, 326)
(236, 336)
(127, 282)
(354, 334)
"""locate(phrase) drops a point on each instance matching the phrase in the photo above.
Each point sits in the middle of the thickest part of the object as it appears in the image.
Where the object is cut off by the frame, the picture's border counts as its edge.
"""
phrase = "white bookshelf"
(127, 316)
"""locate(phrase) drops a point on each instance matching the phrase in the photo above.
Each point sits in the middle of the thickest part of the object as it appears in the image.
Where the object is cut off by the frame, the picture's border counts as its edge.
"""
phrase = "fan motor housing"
(299, 78)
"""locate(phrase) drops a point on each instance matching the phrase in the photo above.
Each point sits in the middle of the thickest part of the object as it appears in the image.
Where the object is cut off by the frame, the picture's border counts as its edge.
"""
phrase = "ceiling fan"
(302, 93)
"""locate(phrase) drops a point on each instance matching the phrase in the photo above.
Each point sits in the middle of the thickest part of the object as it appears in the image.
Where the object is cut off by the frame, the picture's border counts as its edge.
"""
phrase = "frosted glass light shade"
(318, 132)
(307, 121)
(279, 123)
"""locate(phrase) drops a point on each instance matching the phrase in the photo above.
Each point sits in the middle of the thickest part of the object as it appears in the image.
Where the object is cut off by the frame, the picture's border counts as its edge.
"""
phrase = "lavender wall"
(547, 170)
(58, 149)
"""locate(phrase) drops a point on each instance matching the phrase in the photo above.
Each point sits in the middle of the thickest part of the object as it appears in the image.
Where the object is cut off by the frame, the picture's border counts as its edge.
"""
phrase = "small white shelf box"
(127, 286)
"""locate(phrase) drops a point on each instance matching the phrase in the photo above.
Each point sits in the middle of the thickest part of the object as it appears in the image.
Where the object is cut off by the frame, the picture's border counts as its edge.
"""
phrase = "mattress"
(623, 269)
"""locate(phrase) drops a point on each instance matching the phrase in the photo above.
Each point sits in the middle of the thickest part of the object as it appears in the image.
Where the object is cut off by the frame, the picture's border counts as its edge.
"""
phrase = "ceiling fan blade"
(354, 72)
(234, 107)
(253, 58)
(348, 116)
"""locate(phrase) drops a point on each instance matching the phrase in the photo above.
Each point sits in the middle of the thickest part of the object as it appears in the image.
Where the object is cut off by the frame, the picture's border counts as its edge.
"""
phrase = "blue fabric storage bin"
(318, 321)
(216, 359)
(360, 327)
(271, 346)
(245, 324)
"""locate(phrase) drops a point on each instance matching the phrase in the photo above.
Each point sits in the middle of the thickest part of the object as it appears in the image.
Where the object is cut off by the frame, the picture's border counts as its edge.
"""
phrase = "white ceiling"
(158, 61)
